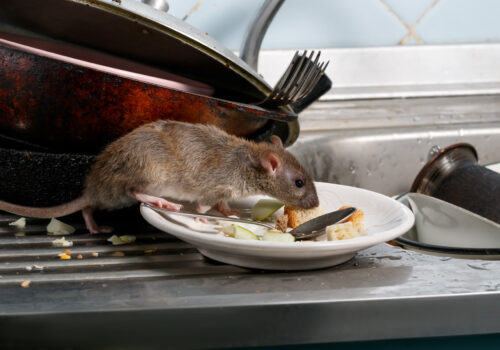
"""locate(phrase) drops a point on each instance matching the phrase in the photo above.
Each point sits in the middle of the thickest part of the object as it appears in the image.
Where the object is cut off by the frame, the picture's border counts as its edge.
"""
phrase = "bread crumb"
(282, 222)
(119, 240)
(62, 242)
(25, 284)
(94, 254)
(64, 256)
(150, 251)
(117, 254)
(79, 256)
(57, 227)
(21, 223)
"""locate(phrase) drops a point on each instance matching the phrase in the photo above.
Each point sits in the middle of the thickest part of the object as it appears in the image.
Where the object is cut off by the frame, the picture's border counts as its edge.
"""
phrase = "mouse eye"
(299, 183)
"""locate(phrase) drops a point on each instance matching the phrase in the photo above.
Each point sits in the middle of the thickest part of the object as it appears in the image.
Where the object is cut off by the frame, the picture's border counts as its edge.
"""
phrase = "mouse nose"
(310, 201)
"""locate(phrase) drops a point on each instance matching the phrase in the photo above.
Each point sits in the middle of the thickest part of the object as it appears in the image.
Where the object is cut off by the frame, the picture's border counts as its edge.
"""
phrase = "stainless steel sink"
(382, 144)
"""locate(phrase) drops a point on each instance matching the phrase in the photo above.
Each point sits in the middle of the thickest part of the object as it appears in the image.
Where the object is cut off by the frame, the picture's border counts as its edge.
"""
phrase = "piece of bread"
(357, 219)
(349, 228)
(340, 231)
(282, 222)
(297, 216)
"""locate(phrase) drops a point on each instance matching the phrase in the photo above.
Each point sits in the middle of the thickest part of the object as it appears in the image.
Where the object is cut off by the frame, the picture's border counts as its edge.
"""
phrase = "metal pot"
(67, 100)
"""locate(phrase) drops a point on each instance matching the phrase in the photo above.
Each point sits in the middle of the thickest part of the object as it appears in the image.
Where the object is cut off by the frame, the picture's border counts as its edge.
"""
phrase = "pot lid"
(134, 30)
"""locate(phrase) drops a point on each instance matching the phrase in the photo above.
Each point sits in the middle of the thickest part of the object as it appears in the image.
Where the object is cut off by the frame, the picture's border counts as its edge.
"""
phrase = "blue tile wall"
(348, 23)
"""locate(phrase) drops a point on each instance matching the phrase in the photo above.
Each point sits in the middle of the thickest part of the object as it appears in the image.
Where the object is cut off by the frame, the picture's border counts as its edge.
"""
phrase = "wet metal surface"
(160, 291)
(381, 145)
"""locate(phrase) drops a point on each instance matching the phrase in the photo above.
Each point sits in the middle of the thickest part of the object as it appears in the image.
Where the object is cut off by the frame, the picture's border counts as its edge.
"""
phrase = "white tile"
(333, 23)
(461, 22)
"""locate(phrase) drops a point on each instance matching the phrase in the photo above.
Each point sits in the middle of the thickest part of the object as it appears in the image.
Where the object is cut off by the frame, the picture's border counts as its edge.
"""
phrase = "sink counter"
(175, 296)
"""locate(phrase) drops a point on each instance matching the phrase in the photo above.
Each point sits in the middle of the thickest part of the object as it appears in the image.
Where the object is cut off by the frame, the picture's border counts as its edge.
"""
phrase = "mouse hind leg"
(88, 217)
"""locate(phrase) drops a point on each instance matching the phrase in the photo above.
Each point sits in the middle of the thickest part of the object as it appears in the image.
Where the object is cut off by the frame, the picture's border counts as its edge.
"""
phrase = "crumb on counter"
(62, 243)
(25, 284)
(119, 240)
(59, 228)
(20, 223)
(64, 256)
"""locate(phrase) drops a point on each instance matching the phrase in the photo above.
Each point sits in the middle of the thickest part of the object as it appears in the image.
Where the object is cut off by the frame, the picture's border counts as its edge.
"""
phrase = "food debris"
(94, 254)
(21, 223)
(119, 240)
(34, 267)
(25, 284)
(59, 228)
(79, 256)
(62, 242)
(117, 254)
(282, 222)
(150, 251)
(20, 234)
(64, 256)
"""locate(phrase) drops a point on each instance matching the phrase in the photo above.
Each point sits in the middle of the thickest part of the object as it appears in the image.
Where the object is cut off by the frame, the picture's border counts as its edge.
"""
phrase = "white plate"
(385, 219)
(444, 224)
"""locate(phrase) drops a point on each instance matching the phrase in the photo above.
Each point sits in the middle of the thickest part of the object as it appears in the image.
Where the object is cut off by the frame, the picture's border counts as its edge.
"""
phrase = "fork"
(298, 81)
(308, 230)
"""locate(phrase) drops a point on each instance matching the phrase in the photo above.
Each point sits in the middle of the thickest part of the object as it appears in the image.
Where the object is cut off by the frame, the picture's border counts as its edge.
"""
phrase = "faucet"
(256, 31)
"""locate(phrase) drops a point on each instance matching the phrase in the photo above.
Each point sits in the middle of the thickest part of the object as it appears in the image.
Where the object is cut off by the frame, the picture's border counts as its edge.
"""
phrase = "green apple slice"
(278, 237)
(243, 233)
(264, 208)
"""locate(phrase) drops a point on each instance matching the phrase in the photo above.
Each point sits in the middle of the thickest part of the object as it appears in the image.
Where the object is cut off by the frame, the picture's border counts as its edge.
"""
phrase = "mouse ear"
(270, 161)
(277, 141)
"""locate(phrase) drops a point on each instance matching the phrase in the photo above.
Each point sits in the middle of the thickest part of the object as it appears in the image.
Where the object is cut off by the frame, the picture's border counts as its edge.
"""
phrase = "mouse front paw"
(225, 210)
(101, 229)
(156, 201)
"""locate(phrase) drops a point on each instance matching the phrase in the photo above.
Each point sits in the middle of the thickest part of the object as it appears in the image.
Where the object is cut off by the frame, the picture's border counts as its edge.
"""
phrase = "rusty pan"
(52, 98)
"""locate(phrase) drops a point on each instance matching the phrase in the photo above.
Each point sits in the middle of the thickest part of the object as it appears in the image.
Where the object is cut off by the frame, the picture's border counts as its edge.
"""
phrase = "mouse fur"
(167, 161)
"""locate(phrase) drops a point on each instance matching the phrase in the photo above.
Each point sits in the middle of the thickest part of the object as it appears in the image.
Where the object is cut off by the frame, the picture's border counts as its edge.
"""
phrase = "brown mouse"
(183, 162)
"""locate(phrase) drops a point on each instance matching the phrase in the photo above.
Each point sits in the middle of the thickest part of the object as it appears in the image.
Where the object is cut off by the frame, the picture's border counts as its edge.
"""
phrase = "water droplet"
(433, 151)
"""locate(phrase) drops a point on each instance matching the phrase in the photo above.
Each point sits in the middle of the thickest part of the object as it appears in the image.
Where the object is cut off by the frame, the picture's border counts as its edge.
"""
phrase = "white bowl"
(444, 224)
(385, 219)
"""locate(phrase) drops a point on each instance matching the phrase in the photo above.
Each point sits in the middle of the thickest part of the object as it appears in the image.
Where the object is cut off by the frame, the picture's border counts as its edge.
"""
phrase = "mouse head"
(284, 178)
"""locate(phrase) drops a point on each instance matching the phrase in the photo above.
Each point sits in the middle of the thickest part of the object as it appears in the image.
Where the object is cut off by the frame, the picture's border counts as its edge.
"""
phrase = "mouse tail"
(45, 212)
